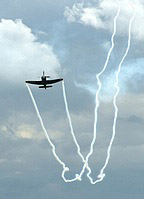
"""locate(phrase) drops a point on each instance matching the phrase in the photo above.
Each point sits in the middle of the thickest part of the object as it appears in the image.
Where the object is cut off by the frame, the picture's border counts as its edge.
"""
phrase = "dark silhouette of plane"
(44, 82)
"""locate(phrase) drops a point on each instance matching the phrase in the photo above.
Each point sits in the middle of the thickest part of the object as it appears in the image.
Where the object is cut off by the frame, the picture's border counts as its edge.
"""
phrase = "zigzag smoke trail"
(85, 160)
(116, 85)
(47, 136)
(72, 132)
(97, 97)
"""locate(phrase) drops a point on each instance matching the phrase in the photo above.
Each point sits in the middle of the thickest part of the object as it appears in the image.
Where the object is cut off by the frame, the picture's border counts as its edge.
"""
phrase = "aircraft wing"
(53, 81)
(35, 82)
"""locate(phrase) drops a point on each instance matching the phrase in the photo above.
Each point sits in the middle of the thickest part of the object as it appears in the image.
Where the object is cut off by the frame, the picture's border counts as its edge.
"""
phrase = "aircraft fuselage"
(44, 83)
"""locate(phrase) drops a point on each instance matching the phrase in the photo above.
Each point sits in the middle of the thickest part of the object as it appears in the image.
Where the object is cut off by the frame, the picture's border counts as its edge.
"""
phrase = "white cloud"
(28, 132)
(89, 15)
(21, 55)
(101, 16)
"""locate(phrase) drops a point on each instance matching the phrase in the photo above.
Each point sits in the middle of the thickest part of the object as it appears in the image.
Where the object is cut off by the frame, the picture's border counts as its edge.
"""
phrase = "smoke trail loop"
(97, 96)
(78, 177)
(85, 161)
(65, 169)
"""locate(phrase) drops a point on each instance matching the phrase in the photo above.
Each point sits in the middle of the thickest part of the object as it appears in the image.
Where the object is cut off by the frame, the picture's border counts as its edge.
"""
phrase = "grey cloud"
(28, 169)
(132, 119)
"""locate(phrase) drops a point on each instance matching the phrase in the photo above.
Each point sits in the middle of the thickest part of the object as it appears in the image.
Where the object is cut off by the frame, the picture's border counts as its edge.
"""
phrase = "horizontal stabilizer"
(45, 86)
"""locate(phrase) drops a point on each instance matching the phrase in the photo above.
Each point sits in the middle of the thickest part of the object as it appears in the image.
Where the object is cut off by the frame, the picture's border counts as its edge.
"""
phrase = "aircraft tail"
(45, 87)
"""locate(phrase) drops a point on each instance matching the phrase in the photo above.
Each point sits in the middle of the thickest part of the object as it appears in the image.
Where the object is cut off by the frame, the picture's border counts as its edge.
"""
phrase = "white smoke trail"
(116, 85)
(85, 161)
(97, 96)
(72, 132)
(47, 136)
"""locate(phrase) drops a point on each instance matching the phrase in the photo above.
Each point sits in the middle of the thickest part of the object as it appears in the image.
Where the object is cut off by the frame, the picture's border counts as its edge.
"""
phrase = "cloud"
(22, 55)
(131, 157)
(31, 132)
(3, 161)
(129, 78)
(24, 131)
(130, 73)
(100, 15)
(28, 132)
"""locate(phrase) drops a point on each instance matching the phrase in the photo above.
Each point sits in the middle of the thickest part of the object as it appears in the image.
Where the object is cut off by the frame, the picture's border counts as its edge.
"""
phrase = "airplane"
(44, 81)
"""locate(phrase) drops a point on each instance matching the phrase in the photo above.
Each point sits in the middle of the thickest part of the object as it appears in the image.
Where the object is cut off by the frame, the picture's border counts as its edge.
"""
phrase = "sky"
(70, 39)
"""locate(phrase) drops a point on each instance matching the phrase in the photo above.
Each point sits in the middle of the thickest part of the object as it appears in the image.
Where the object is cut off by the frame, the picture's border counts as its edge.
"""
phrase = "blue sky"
(70, 39)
